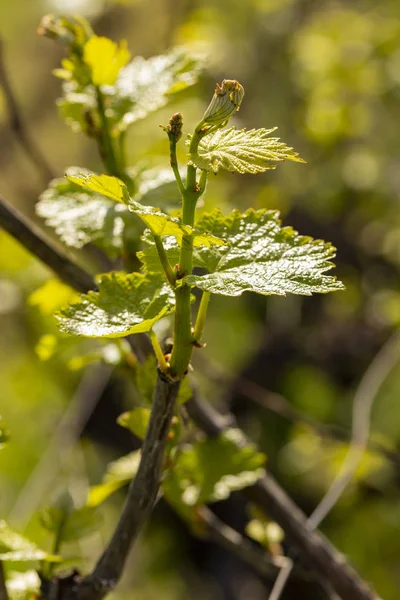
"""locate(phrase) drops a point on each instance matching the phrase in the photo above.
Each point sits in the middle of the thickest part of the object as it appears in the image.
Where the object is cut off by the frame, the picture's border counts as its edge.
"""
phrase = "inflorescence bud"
(225, 102)
(174, 127)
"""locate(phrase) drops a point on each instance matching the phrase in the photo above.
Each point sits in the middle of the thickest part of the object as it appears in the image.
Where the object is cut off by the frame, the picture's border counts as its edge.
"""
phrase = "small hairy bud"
(174, 127)
(225, 102)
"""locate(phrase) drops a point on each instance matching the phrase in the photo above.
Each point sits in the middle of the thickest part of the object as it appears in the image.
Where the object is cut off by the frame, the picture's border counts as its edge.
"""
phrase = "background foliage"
(328, 74)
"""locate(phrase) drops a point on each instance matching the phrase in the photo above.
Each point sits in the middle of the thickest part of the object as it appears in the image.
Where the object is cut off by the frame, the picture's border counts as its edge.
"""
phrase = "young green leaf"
(142, 87)
(16, 548)
(158, 222)
(119, 473)
(263, 257)
(69, 523)
(81, 217)
(105, 59)
(23, 586)
(157, 187)
(125, 304)
(51, 296)
(106, 185)
(146, 85)
(241, 151)
(136, 420)
(211, 469)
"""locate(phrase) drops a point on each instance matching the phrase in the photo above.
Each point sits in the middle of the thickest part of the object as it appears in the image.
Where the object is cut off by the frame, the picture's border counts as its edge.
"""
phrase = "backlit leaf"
(262, 257)
(23, 586)
(211, 469)
(159, 223)
(81, 217)
(144, 86)
(112, 187)
(105, 59)
(242, 151)
(136, 421)
(125, 304)
(16, 548)
(52, 296)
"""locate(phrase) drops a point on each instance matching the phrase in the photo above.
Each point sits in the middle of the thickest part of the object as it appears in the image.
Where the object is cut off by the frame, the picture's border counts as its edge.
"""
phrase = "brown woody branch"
(141, 497)
(316, 550)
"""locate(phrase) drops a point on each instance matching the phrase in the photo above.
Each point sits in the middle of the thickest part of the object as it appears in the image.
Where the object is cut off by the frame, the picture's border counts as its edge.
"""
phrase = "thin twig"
(3, 589)
(34, 240)
(141, 497)
(317, 552)
(227, 537)
(18, 125)
(326, 562)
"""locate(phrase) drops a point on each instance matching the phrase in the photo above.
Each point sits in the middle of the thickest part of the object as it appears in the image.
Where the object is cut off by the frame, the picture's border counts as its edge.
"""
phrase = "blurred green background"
(328, 75)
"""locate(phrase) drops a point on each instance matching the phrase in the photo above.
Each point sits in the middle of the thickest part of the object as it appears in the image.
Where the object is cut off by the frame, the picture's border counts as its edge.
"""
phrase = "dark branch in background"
(141, 497)
(217, 531)
(18, 126)
(257, 558)
(280, 406)
(34, 240)
(319, 554)
(3, 589)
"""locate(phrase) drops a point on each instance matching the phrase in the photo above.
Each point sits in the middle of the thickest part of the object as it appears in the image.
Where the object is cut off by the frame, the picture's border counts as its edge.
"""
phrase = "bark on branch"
(316, 550)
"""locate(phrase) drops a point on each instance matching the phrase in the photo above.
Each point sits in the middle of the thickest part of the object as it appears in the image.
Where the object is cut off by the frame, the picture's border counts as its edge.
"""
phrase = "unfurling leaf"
(211, 469)
(125, 304)
(241, 151)
(224, 104)
(105, 59)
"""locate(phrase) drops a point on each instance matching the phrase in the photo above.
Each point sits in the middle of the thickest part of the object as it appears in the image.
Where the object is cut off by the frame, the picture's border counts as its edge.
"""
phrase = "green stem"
(183, 339)
(158, 352)
(183, 344)
(201, 317)
(174, 165)
(168, 270)
(203, 181)
(108, 153)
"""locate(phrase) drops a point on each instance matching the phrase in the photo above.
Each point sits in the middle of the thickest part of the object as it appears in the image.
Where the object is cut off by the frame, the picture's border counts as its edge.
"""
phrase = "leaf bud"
(174, 127)
(225, 102)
